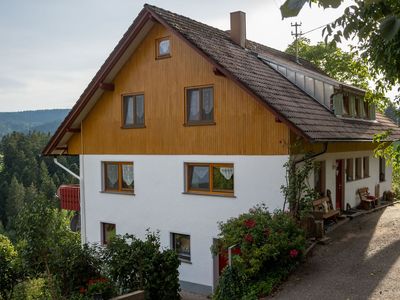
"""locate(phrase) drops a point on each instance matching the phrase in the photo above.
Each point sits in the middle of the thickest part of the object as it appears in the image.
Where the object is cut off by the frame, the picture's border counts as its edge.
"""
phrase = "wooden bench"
(323, 209)
(367, 200)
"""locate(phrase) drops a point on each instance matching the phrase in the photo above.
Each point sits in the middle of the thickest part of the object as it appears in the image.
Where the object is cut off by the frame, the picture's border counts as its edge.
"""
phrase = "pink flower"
(293, 253)
(249, 223)
(249, 238)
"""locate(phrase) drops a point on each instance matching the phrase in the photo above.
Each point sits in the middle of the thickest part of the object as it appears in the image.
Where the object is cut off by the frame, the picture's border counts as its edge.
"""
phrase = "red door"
(223, 259)
(339, 183)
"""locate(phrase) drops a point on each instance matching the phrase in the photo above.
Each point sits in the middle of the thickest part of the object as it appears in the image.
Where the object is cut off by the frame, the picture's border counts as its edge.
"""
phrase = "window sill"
(118, 193)
(163, 56)
(209, 194)
(133, 127)
(199, 124)
(185, 261)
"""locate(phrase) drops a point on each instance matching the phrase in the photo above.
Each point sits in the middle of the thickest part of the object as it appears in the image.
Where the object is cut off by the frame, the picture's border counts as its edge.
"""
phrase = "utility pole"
(296, 34)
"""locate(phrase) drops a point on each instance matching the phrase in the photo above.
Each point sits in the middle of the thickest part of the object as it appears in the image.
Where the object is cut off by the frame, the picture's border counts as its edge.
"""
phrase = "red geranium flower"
(293, 253)
(249, 223)
(249, 238)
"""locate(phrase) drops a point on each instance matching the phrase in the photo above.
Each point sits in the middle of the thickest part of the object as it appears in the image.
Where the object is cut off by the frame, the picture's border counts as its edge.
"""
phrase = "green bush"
(271, 245)
(32, 289)
(134, 264)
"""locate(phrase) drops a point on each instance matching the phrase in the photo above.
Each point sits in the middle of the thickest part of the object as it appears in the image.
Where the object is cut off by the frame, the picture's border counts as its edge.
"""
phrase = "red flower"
(249, 223)
(82, 290)
(293, 253)
(249, 238)
(267, 232)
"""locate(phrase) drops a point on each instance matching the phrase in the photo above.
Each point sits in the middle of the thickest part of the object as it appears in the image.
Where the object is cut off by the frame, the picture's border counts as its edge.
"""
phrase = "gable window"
(163, 48)
(118, 177)
(349, 169)
(366, 166)
(181, 244)
(205, 178)
(108, 231)
(200, 105)
(133, 111)
(358, 168)
(382, 169)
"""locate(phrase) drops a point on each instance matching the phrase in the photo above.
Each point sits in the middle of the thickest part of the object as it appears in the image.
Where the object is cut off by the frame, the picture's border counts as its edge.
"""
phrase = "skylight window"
(318, 89)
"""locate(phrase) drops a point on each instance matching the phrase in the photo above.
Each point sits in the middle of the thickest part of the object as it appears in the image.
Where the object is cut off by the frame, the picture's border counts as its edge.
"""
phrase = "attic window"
(163, 48)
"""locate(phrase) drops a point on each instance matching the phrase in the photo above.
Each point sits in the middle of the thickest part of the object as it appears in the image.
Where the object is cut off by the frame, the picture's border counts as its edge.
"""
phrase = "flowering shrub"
(271, 245)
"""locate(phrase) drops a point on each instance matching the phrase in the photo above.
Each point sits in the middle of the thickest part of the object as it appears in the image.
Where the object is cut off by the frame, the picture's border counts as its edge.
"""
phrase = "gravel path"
(361, 262)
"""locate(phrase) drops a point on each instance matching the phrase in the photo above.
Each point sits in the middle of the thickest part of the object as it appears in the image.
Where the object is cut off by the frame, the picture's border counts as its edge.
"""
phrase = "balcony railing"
(69, 196)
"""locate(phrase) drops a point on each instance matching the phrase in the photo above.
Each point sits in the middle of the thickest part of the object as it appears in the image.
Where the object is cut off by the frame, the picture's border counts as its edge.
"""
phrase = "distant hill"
(33, 120)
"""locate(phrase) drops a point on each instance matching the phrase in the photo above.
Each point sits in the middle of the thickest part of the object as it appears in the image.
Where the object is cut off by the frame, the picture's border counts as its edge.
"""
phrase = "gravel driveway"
(361, 262)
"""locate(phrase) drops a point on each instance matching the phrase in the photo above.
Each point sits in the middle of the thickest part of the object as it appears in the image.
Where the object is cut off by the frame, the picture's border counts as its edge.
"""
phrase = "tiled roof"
(291, 103)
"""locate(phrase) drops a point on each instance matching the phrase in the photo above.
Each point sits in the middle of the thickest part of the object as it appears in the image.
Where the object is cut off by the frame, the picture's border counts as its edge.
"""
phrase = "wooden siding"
(243, 125)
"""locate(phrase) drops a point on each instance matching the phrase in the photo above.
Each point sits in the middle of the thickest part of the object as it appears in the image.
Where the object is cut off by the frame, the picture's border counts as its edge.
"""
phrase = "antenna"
(296, 35)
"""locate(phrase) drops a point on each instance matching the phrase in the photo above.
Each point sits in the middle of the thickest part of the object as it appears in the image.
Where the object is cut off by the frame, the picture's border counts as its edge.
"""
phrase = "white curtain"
(139, 107)
(200, 172)
(194, 102)
(226, 172)
(127, 174)
(128, 110)
(208, 104)
(112, 174)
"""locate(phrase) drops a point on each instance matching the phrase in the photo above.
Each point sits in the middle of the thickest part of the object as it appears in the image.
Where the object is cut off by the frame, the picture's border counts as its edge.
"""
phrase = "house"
(186, 125)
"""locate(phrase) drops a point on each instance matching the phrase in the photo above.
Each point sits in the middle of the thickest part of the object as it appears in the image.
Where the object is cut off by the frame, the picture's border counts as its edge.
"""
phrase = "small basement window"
(205, 178)
(118, 177)
(163, 48)
(181, 244)
(108, 231)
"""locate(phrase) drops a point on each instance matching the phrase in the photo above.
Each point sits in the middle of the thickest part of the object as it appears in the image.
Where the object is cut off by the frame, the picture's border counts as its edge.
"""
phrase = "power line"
(315, 29)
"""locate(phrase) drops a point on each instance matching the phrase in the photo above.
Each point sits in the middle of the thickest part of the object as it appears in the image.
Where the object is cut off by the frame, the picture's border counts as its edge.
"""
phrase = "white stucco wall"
(159, 202)
(351, 187)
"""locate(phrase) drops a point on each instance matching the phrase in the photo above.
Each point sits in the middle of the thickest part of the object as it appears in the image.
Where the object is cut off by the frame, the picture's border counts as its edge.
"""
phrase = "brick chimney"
(238, 28)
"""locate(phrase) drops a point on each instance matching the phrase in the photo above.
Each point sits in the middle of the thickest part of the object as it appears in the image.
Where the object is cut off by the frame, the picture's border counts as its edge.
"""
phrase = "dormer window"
(350, 106)
(346, 106)
(163, 48)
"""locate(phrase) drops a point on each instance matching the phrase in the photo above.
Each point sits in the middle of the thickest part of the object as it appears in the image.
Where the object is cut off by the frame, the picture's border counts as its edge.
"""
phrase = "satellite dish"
(75, 224)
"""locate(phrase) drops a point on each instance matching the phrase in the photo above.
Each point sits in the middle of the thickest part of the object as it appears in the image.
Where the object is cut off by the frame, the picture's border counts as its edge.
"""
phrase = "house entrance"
(339, 183)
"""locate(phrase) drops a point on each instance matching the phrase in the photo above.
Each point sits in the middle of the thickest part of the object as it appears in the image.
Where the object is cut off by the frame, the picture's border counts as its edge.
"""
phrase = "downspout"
(81, 203)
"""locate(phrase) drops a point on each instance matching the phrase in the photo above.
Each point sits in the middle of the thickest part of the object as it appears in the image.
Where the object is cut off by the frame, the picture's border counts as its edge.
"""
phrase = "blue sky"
(51, 49)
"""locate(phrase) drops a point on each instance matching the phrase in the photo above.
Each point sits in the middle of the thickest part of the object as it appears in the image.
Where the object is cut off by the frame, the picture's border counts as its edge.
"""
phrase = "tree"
(15, 201)
(9, 274)
(343, 66)
(376, 25)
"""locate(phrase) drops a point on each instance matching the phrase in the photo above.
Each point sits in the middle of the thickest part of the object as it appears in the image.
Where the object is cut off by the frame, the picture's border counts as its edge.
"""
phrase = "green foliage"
(376, 25)
(23, 167)
(297, 191)
(343, 66)
(9, 268)
(271, 245)
(32, 289)
(134, 264)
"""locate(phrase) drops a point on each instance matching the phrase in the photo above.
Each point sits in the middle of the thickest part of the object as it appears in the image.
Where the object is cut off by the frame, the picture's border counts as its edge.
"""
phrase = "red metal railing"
(69, 197)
